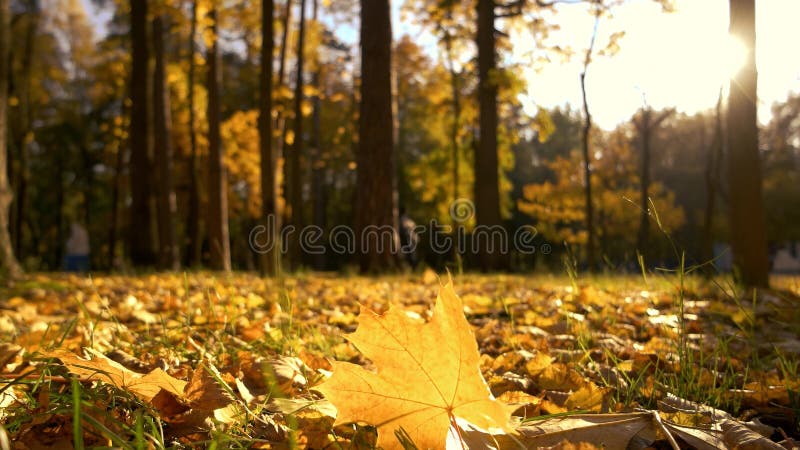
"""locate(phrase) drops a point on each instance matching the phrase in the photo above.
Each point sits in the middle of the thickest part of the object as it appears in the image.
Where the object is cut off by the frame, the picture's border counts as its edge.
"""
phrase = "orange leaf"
(427, 375)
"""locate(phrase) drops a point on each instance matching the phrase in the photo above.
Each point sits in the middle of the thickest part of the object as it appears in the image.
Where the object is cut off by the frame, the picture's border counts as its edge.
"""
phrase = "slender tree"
(318, 193)
(455, 90)
(586, 134)
(487, 184)
(141, 242)
(168, 257)
(115, 195)
(270, 260)
(294, 174)
(646, 123)
(8, 261)
(24, 123)
(218, 236)
(376, 202)
(712, 176)
(746, 206)
(280, 118)
(193, 235)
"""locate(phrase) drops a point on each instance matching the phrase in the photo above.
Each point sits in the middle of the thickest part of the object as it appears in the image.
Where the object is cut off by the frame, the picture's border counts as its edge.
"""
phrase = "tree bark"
(294, 174)
(746, 206)
(8, 261)
(287, 18)
(169, 257)
(487, 183)
(281, 123)
(454, 131)
(218, 236)
(712, 178)
(193, 237)
(141, 242)
(587, 179)
(24, 128)
(318, 163)
(270, 259)
(376, 204)
(115, 191)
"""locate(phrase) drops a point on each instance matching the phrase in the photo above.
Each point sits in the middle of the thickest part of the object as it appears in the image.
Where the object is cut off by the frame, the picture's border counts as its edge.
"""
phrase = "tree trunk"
(8, 261)
(376, 204)
(193, 237)
(591, 259)
(294, 174)
(714, 161)
(60, 238)
(587, 179)
(646, 125)
(318, 164)
(287, 19)
(169, 257)
(270, 259)
(487, 184)
(112, 231)
(746, 207)
(280, 120)
(454, 141)
(25, 121)
(218, 236)
(142, 250)
(644, 128)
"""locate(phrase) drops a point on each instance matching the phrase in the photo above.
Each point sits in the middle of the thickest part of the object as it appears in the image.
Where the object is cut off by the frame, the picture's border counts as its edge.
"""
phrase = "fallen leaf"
(8, 352)
(101, 368)
(739, 437)
(613, 431)
(589, 397)
(698, 438)
(427, 375)
(204, 392)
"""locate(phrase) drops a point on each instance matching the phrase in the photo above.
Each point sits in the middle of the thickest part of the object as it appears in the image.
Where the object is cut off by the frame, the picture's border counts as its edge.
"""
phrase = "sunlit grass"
(205, 325)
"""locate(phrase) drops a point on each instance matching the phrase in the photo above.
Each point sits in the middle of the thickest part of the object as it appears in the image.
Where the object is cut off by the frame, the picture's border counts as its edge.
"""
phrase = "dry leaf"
(739, 437)
(589, 397)
(612, 431)
(698, 438)
(427, 375)
(204, 392)
(101, 368)
(8, 352)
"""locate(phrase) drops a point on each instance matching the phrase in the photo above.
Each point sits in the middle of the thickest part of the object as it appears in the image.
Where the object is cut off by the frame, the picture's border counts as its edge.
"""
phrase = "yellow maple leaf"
(427, 376)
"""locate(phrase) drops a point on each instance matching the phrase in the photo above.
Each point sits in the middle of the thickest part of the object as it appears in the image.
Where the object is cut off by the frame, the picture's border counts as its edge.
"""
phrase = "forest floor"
(209, 360)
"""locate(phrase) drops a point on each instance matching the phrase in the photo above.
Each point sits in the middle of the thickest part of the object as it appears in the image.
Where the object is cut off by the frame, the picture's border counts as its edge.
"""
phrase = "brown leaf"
(204, 393)
(8, 352)
(739, 437)
(560, 377)
(588, 397)
(613, 431)
(101, 368)
(698, 438)
(427, 375)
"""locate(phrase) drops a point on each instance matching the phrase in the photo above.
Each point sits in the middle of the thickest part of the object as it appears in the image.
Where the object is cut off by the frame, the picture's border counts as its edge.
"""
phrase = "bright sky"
(677, 59)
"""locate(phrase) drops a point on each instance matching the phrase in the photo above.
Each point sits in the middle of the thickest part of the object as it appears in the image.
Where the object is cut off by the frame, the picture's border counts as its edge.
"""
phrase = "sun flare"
(732, 57)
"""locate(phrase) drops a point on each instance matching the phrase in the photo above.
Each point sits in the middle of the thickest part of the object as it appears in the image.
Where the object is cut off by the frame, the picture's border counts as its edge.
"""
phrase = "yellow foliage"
(558, 208)
(242, 160)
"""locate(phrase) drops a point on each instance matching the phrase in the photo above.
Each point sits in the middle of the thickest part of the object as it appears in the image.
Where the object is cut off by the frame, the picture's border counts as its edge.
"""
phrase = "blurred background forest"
(169, 129)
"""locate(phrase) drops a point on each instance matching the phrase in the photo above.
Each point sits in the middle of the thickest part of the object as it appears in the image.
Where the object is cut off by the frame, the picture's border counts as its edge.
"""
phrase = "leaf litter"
(316, 361)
